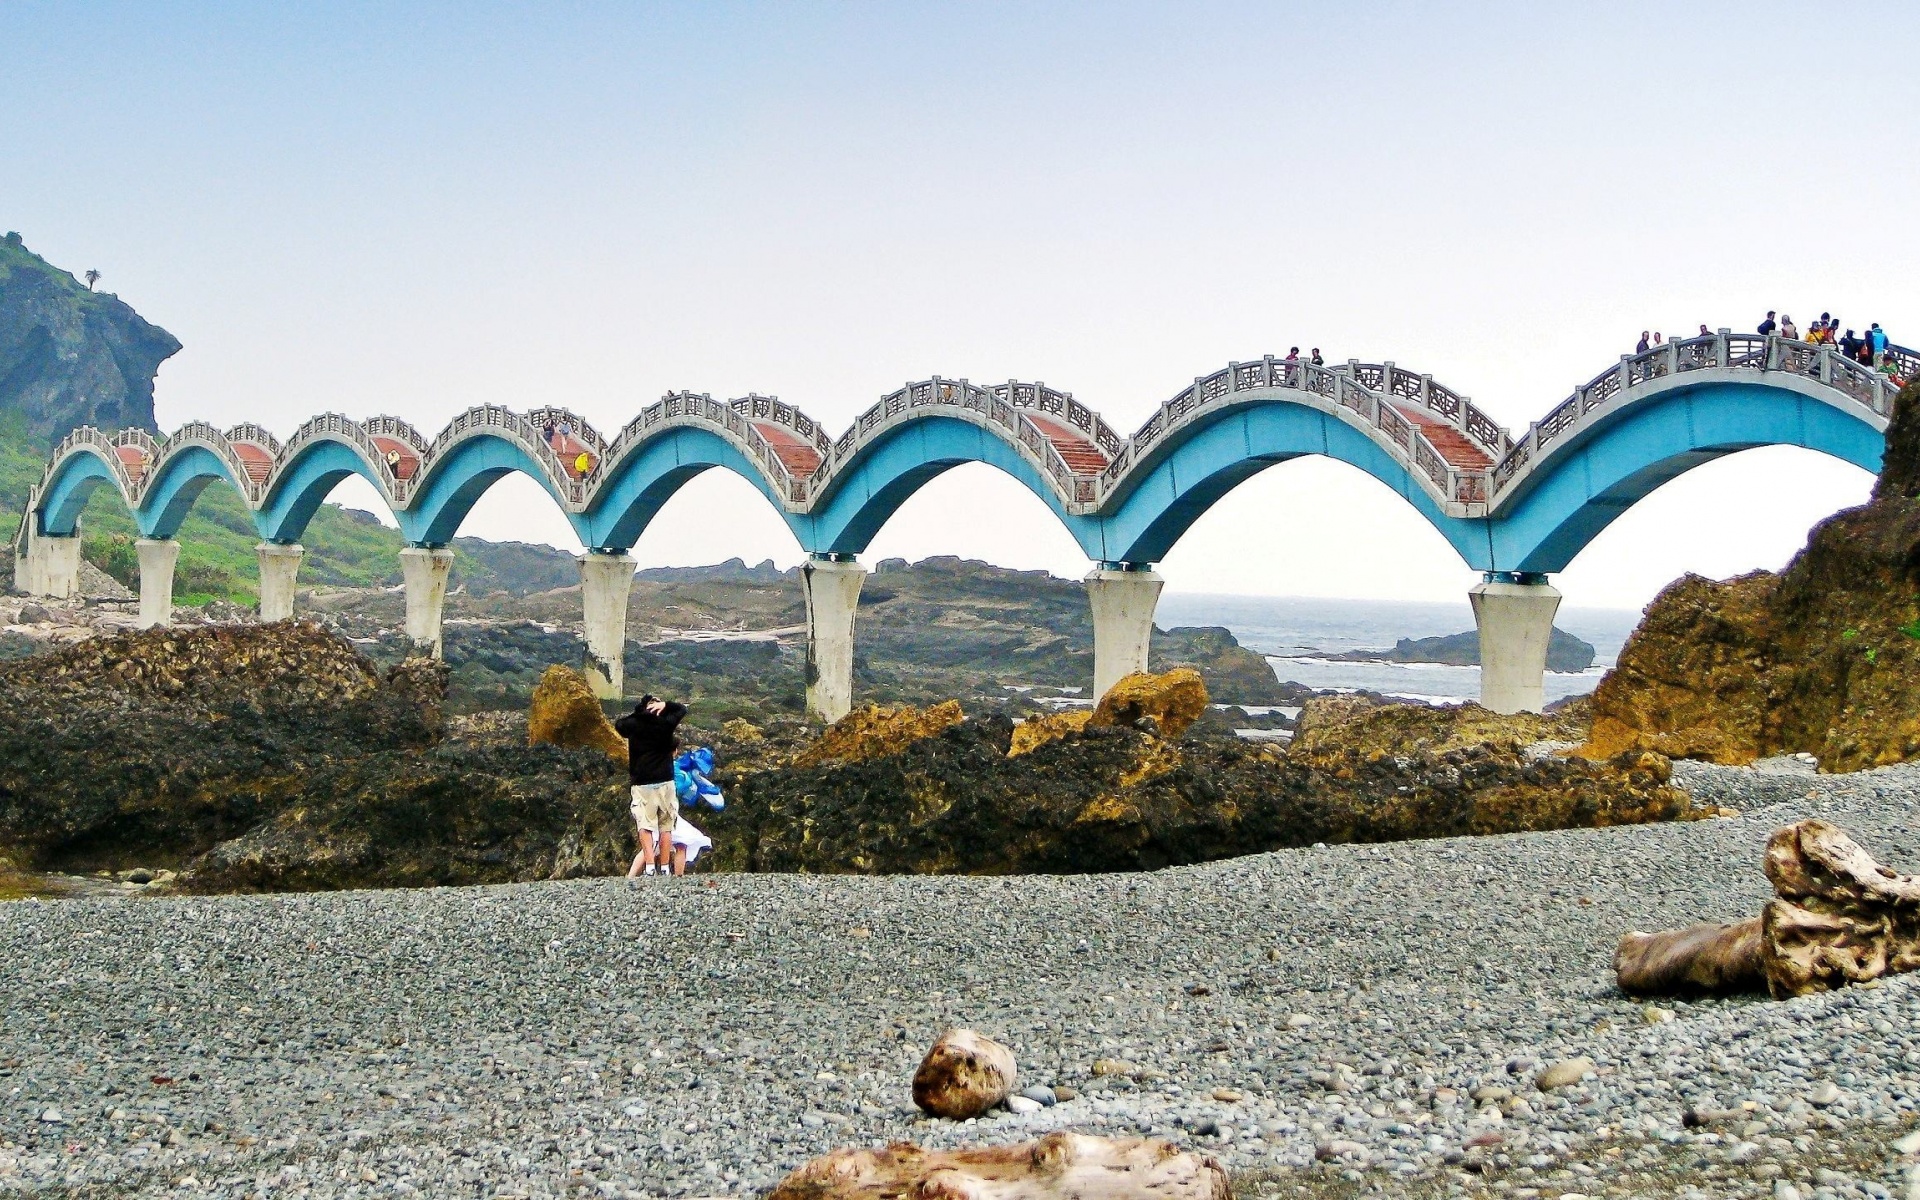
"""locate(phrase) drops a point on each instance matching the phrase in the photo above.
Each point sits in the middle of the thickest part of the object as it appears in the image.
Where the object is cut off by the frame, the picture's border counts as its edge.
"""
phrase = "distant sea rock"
(1565, 652)
(71, 356)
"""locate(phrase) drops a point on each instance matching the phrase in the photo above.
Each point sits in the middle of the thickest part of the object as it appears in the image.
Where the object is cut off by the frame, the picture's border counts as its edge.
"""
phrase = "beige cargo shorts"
(655, 807)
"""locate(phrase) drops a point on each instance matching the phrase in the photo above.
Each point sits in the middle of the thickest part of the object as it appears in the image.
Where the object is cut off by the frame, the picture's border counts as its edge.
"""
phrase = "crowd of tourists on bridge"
(1874, 349)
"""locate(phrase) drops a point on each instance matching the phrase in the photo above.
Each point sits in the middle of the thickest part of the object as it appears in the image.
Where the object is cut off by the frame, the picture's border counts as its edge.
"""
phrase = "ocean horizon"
(1299, 634)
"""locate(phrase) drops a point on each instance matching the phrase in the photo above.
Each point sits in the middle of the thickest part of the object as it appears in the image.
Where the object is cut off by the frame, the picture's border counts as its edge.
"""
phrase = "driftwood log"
(1700, 960)
(964, 1075)
(1837, 917)
(1060, 1166)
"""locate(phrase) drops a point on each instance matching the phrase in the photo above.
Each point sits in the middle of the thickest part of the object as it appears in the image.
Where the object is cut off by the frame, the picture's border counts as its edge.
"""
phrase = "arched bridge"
(1515, 507)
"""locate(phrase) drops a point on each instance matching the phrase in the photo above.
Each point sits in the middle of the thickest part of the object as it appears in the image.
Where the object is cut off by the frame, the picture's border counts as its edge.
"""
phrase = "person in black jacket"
(649, 730)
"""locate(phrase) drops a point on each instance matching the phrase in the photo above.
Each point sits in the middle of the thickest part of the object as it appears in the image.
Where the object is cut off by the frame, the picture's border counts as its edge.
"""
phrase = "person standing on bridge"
(1788, 329)
(1642, 346)
(1769, 325)
(1317, 360)
(1293, 354)
(650, 730)
(1876, 342)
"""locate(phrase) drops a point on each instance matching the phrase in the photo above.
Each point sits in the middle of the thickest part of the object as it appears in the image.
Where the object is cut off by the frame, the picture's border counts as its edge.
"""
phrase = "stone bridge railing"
(1322, 387)
(1373, 396)
(1864, 386)
(1000, 406)
(732, 420)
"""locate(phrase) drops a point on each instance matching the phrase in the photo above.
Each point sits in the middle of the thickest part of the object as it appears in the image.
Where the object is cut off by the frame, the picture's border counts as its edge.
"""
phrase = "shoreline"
(501, 1040)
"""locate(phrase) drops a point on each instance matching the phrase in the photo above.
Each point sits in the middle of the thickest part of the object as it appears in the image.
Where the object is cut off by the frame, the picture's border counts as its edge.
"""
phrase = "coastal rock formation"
(1233, 674)
(275, 758)
(1035, 732)
(1823, 657)
(1060, 1166)
(565, 712)
(1837, 917)
(1114, 799)
(876, 731)
(1166, 704)
(69, 355)
(1565, 652)
(1335, 728)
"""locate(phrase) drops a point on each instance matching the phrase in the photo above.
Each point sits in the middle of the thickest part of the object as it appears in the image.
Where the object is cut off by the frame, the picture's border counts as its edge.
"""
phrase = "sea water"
(1298, 633)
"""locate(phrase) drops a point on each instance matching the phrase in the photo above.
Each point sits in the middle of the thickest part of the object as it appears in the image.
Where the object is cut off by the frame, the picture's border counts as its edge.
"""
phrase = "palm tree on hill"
(93, 277)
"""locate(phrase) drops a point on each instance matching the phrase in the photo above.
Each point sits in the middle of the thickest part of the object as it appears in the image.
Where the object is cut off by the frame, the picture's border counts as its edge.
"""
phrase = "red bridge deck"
(1082, 456)
(795, 452)
(1459, 450)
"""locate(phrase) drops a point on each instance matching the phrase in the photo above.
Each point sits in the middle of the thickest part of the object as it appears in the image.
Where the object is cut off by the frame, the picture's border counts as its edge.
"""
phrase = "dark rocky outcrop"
(71, 356)
(1115, 799)
(277, 758)
(1823, 657)
(1565, 652)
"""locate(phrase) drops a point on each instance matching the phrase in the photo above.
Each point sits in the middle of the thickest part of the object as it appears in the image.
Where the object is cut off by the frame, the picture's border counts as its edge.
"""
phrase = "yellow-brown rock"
(963, 1075)
(875, 732)
(1172, 701)
(565, 712)
(1338, 727)
(738, 730)
(1035, 732)
(1823, 657)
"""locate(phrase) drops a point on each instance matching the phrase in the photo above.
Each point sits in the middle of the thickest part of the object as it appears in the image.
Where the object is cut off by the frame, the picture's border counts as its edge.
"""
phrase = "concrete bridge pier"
(279, 565)
(48, 565)
(1515, 615)
(157, 559)
(831, 585)
(424, 570)
(606, 580)
(1123, 596)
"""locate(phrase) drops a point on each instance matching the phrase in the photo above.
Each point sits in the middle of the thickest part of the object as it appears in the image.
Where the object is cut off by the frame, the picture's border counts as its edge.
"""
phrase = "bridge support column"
(1123, 596)
(48, 565)
(156, 580)
(1515, 617)
(279, 565)
(832, 590)
(425, 571)
(606, 579)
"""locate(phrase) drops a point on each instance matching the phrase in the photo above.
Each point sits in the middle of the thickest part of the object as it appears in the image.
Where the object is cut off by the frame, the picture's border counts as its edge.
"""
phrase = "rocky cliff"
(69, 355)
(1823, 657)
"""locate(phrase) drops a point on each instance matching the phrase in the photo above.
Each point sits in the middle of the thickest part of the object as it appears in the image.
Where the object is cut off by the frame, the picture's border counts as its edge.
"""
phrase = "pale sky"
(414, 208)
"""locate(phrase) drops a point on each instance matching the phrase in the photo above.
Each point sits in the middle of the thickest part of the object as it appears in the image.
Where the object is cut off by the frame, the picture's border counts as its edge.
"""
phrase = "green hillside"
(345, 547)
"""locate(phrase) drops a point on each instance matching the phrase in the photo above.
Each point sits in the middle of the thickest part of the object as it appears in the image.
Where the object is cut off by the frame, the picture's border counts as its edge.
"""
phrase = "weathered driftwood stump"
(964, 1075)
(1060, 1166)
(1837, 917)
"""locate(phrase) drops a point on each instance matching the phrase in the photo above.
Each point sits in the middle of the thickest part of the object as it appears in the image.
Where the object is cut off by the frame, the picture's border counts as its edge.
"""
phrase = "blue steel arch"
(175, 484)
(886, 472)
(1628, 453)
(1205, 460)
(303, 484)
(68, 489)
(646, 477)
(455, 481)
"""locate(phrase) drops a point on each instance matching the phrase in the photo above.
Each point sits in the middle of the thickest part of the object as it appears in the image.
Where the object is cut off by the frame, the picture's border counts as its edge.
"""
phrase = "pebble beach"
(1341, 1020)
